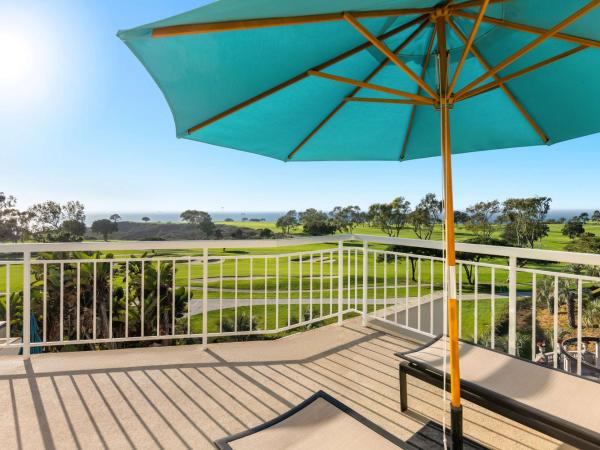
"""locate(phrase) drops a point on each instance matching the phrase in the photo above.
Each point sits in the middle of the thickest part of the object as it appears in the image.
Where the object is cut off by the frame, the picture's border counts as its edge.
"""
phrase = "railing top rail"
(492, 250)
(168, 245)
(508, 252)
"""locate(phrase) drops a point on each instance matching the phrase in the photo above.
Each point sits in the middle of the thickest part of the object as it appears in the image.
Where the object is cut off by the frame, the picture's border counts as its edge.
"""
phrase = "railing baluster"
(266, 292)
(321, 285)
(158, 297)
(406, 291)
(384, 312)
(396, 288)
(460, 295)
(331, 282)
(356, 279)
(310, 287)
(235, 295)
(533, 316)
(289, 291)
(579, 318)
(205, 298)
(419, 294)
(555, 324)
(189, 274)
(251, 293)
(276, 293)
(142, 299)
(94, 298)
(365, 269)
(173, 289)
(221, 295)
(126, 301)
(26, 304)
(431, 276)
(62, 302)
(374, 284)
(512, 305)
(476, 305)
(110, 300)
(7, 298)
(340, 282)
(300, 318)
(45, 304)
(349, 277)
(493, 310)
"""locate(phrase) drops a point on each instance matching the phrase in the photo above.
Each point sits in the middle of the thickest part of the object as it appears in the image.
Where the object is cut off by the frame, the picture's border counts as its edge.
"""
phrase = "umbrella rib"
(302, 76)
(500, 81)
(471, 4)
(533, 44)
(414, 108)
(501, 84)
(529, 29)
(385, 100)
(389, 54)
(468, 44)
(374, 87)
(216, 27)
(358, 88)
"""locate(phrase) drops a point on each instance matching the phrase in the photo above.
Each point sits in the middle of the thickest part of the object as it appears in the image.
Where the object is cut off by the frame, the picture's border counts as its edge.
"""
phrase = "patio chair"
(320, 422)
(559, 404)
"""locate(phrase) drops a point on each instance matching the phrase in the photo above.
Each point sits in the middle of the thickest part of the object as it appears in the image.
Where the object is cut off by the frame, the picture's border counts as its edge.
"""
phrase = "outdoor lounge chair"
(559, 404)
(319, 422)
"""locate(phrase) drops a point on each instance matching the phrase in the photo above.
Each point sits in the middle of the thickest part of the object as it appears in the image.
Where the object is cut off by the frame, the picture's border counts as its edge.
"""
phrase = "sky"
(80, 119)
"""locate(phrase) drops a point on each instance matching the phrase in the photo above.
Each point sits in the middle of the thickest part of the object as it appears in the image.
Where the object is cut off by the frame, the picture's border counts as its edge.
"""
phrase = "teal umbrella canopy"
(279, 78)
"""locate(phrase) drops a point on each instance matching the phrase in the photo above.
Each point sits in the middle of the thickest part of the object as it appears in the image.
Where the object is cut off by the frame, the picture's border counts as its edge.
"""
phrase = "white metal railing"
(194, 290)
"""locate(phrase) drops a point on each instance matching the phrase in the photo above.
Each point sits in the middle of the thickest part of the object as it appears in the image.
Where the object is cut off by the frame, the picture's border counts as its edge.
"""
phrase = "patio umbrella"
(308, 80)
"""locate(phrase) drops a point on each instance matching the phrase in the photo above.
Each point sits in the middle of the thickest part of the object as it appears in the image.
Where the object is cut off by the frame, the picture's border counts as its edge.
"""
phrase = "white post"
(205, 299)
(512, 305)
(365, 269)
(340, 282)
(26, 303)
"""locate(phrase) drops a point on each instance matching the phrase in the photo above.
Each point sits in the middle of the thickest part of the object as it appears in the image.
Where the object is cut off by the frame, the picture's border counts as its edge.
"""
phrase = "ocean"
(268, 216)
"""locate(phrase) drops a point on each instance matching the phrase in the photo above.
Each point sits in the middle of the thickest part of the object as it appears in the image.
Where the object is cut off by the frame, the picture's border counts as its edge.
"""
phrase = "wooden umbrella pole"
(456, 408)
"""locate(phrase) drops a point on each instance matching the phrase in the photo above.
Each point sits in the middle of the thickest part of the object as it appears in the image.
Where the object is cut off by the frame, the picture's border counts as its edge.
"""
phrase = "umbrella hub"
(439, 11)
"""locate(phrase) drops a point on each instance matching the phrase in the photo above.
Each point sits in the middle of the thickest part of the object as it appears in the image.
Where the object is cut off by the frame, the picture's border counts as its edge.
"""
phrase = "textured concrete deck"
(184, 397)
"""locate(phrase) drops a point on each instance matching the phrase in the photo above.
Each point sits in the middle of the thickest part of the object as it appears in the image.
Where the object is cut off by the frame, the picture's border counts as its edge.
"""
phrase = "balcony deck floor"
(184, 397)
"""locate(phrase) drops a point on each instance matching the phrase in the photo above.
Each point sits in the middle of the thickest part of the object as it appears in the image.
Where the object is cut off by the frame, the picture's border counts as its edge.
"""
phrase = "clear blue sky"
(80, 119)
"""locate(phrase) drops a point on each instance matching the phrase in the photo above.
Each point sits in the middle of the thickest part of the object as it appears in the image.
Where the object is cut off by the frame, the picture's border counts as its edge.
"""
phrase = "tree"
(573, 228)
(345, 219)
(200, 218)
(525, 220)
(52, 222)
(596, 216)
(13, 223)
(585, 243)
(288, 221)
(104, 227)
(266, 233)
(115, 218)
(584, 217)
(316, 222)
(480, 219)
(425, 216)
(460, 217)
(391, 217)
(146, 219)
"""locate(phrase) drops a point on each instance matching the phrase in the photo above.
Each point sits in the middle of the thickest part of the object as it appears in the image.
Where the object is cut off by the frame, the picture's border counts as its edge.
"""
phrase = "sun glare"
(27, 68)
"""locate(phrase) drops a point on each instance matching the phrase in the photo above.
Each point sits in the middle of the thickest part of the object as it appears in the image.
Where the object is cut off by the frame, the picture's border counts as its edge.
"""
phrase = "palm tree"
(566, 295)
